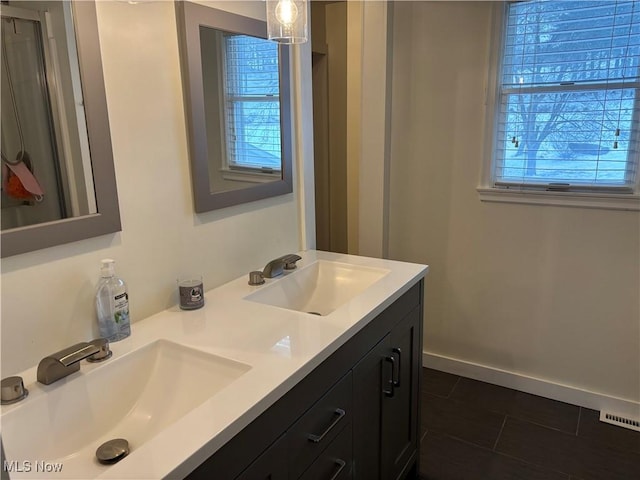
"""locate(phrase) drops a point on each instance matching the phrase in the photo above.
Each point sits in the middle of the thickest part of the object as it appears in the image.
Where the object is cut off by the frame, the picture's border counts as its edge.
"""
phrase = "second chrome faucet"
(274, 268)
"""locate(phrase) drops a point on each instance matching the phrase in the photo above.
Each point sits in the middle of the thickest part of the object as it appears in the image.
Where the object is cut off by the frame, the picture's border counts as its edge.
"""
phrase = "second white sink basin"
(133, 397)
(318, 288)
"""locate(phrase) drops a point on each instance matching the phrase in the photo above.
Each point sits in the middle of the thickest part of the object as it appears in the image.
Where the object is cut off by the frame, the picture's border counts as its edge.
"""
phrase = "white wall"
(538, 291)
(47, 296)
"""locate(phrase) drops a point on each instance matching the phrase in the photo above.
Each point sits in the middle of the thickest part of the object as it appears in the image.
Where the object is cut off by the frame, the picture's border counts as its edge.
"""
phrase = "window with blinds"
(252, 113)
(567, 112)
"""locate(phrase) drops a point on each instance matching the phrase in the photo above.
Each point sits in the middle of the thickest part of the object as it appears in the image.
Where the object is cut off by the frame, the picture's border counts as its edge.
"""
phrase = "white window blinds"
(568, 96)
(251, 85)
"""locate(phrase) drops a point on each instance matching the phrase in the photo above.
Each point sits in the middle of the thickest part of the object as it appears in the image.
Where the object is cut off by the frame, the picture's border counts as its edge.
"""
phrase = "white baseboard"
(535, 386)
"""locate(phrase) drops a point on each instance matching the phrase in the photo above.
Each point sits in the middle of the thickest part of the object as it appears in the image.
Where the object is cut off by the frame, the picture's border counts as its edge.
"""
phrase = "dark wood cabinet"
(369, 376)
(335, 462)
(354, 416)
(269, 465)
(400, 423)
(317, 428)
(386, 396)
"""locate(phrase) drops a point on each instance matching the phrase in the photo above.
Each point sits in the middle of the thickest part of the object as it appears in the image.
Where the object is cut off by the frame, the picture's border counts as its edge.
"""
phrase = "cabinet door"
(369, 376)
(271, 465)
(399, 440)
(386, 397)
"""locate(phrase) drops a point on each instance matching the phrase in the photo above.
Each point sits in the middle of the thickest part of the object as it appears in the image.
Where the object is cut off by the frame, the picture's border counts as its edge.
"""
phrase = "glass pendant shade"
(287, 21)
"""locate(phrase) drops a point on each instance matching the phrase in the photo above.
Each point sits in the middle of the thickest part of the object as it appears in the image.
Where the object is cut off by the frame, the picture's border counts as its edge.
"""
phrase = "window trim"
(487, 189)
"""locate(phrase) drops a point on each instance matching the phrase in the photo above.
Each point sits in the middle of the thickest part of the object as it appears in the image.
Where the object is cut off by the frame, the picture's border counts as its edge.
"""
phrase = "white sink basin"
(318, 288)
(133, 397)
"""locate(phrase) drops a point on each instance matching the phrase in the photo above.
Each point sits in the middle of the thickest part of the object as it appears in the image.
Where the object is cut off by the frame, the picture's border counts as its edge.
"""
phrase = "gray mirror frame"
(190, 17)
(35, 237)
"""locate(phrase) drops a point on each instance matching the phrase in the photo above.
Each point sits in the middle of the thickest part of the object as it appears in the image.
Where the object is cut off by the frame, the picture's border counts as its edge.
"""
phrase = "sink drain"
(112, 451)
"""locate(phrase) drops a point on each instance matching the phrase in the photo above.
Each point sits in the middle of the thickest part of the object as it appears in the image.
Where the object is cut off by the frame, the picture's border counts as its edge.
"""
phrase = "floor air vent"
(620, 421)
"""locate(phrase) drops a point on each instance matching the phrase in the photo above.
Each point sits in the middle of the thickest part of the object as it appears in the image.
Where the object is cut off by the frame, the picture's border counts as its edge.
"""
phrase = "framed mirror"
(58, 179)
(237, 101)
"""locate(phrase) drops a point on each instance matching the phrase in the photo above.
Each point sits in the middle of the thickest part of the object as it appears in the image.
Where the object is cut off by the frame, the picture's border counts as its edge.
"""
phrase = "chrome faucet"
(65, 362)
(276, 267)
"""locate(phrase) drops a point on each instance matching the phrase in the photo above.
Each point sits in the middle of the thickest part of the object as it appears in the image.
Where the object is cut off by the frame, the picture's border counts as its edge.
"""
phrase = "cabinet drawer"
(317, 428)
(335, 462)
(269, 465)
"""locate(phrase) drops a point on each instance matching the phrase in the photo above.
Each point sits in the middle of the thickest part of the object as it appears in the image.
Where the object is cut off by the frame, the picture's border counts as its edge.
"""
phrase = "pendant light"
(287, 21)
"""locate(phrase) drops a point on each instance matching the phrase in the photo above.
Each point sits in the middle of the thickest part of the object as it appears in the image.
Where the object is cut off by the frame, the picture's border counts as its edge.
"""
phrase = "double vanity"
(314, 374)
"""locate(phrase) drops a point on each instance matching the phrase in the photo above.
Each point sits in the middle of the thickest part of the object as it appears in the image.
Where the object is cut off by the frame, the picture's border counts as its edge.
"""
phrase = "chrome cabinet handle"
(340, 413)
(397, 350)
(391, 392)
(341, 464)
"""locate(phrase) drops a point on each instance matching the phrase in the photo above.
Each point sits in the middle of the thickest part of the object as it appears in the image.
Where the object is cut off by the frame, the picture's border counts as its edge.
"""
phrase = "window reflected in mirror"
(241, 84)
(252, 104)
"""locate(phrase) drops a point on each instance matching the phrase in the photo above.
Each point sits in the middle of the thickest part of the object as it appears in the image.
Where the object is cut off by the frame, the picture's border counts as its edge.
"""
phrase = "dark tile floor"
(474, 430)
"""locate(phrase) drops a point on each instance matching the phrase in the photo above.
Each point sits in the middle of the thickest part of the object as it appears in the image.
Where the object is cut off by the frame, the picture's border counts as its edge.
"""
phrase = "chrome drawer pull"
(318, 438)
(341, 464)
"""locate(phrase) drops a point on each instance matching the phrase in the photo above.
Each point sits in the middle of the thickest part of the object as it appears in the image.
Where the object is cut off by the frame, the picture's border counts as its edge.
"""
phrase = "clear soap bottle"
(112, 304)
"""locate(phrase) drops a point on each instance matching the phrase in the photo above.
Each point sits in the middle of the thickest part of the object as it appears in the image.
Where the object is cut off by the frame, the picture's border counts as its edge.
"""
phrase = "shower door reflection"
(46, 168)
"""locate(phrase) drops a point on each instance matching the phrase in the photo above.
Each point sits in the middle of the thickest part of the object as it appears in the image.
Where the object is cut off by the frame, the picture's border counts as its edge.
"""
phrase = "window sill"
(608, 201)
(252, 176)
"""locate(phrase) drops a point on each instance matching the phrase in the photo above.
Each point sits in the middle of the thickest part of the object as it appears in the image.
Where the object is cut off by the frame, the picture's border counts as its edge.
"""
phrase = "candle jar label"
(191, 292)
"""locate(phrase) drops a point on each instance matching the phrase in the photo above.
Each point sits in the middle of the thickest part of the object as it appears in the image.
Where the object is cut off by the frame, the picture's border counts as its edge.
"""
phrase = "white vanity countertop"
(281, 346)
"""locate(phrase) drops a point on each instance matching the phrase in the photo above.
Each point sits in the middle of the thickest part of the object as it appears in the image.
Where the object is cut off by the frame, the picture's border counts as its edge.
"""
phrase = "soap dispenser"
(112, 304)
